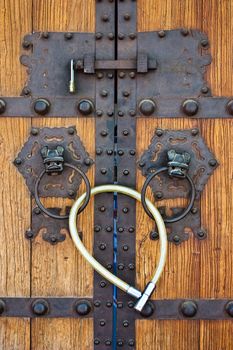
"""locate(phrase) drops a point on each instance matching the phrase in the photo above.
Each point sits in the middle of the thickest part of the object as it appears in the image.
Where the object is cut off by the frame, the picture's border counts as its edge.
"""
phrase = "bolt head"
(154, 235)
(40, 307)
(29, 234)
(176, 239)
(212, 162)
(147, 107)
(18, 161)
(205, 89)
(229, 107)
(161, 34)
(159, 195)
(195, 132)
(41, 106)
(148, 309)
(85, 107)
(83, 308)
(189, 308)
(2, 106)
(2, 306)
(229, 308)
(159, 132)
(190, 107)
(201, 234)
(68, 36)
(34, 131)
(71, 130)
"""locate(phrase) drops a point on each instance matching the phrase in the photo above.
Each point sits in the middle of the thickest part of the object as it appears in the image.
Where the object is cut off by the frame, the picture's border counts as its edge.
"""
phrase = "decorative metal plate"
(30, 163)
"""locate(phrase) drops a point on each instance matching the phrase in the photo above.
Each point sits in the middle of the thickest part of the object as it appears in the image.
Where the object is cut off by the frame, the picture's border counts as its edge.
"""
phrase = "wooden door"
(194, 269)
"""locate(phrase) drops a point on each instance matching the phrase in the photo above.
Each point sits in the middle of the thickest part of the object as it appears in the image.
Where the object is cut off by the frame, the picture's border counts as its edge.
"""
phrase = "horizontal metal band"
(167, 309)
(208, 107)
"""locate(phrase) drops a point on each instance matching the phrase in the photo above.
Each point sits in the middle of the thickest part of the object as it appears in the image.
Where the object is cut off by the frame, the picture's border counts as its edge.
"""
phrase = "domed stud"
(229, 308)
(41, 106)
(190, 107)
(85, 107)
(189, 308)
(147, 107)
(148, 309)
(83, 307)
(40, 307)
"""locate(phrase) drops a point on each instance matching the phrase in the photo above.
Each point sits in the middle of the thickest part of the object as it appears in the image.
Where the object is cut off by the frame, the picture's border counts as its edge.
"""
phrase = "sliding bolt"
(72, 83)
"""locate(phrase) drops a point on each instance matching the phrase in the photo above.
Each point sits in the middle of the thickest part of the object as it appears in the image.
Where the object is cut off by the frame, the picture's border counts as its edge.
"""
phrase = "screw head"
(2, 106)
(102, 246)
(104, 93)
(120, 342)
(159, 132)
(161, 34)
(36, 211)
(108, 342)
(121, 36)
(111, 36)
(189, 308)
(71, 130)
(190, 107)
(147, 107)
(2, 306)
(125, 323)
(34, 131)
(204, 89)
(195, 132)
(154, 235)
(148, 309)
(98, 36)
(201, 234)
(121, 267)
(229, 308)
(29, 234)
(26, 91)
(159, 195)
(85, 107)
(131, 342)
(194, 210)
(229, 107)
(41, 106)
(176, 239)
(212, 162)
(87, 161)
(97, 228)
(96, 341)
(83, 307)
(68, 36)
(40, 307)
(18, 161)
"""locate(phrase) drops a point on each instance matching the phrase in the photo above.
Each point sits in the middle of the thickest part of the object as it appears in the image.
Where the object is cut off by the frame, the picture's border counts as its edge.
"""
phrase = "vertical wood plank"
(64, 272)
(15, 19)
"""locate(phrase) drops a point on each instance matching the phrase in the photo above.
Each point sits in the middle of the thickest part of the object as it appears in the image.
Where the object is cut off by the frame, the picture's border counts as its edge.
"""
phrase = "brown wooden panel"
(201, 269)
(15, 19)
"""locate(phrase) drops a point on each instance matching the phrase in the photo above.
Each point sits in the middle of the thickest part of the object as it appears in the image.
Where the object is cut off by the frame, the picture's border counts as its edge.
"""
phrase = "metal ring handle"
(142, 297)
(185, 212)
(62, 217)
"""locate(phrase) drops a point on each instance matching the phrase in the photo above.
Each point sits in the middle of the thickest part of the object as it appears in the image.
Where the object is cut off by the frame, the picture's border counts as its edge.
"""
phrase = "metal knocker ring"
(142, 297)
(82, 207)
(185, 212)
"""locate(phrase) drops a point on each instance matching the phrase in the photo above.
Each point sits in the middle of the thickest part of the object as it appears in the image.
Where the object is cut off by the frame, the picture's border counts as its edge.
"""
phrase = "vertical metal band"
(103, 220)
(126, 169)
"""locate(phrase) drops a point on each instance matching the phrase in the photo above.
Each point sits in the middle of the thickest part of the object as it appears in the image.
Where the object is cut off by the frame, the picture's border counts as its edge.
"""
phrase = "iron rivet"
(176, 239)
(125, 248)
(99, 113)
(40, 307)
(131, 342)
(45, 35)
(41, 106)
(132, 152)
(120, 342)
(141, 164)
(132, 112)
(127, 16)
(125, 132)
(194, 210)
(109, 304)
(105, 18)
(195, 132)
(109, 228)
(229, 107)
(108, 342)
(212, 162)
(104, 93)
(121, 75)
(126, 172)
(125, 93)
(131, 304)
(102, 209)
(2, 306)
(147, 107)
(99, 151)
(184, 31)
(161, 34)
(85, 107)
(159, 195)
(154, 235)
(104, 133)
(103, 284)
(87, 161)
(132, 75)
(148, 310)
(131, 229)
(96, 341)
(71, 130)
(34, 131)
(26, 44)
(125, 210)
(29, 234)
(125, 323)
(53, 239)
(103, 171)
(102, 246)
(97, 228)
(109, 152)
(102, 323)
(36, 211)
(111, 36)
(110, 76)
(190, 107)
(132, 36)
(159, 132)
(120, 113)
(110, 113)
(109, 266)
(68, 36)
(204, 89)
(201, 233)
(97, 303)
(18, 161)
(26, 91)
(121, 267)
(229, 308)
(119, 305)
(83, 307)
(99, 75)
(2, 106)
(189, 308)
(71, 193)
(98, 36)
(131, 266)
(204, 43)
(120, 152)
(120, 229)
(121, 36)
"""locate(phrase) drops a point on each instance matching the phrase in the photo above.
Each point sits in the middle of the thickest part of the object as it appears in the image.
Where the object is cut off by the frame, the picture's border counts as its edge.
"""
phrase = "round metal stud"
(212, 162)
(147, 107)
(41, 106)
(34, 131)
(189, 308)
(18, 161)
(2, 106)
(2, 306)
(40, 307)
(229, 308)
(190, 107)
(83, 307)
(159, 132)
(68, 36)
(85, 107)
(148, 310)
(229, 107)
